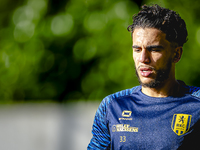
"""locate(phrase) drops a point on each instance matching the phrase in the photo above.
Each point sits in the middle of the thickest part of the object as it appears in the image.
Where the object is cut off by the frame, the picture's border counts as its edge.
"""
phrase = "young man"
(161, 113)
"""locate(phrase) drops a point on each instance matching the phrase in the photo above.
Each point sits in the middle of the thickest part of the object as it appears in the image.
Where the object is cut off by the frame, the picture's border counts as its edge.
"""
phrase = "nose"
(144, 56)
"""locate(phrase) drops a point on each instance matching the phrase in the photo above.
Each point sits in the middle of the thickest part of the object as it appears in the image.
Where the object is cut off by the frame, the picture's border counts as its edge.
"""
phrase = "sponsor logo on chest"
(126, 114)
(124, 128)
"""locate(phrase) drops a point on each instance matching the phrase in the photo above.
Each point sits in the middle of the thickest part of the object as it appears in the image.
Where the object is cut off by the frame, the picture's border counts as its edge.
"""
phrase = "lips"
(145, 71)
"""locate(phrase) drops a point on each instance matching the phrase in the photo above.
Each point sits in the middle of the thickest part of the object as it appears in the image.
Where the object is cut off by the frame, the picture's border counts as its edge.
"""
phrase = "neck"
(165, 90)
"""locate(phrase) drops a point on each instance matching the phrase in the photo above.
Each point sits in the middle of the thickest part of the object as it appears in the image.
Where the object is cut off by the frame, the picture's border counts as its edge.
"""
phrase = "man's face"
(153, 56)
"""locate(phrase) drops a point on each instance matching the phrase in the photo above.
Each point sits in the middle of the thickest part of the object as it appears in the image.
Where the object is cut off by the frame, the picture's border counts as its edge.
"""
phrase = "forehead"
(149, 36)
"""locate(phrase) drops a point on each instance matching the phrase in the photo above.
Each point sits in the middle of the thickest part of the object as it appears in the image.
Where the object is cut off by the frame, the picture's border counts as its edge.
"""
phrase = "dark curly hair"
(168, 21)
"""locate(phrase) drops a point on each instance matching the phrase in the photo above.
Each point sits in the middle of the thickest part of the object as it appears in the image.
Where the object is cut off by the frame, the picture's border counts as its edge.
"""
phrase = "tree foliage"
(78, 49)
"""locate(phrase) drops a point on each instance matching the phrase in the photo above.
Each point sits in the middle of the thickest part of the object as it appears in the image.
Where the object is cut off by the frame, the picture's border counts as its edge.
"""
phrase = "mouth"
(146, 71)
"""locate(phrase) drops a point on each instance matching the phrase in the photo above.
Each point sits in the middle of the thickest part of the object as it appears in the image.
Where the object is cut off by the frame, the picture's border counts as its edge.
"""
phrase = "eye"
(155, 50)
(136, 50)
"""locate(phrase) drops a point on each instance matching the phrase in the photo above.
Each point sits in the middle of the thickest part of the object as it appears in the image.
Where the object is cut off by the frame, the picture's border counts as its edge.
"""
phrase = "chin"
(146, 80)
(149, 82)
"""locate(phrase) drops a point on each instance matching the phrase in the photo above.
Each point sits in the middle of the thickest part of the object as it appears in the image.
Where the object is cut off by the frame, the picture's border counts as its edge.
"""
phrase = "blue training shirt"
(131, 120)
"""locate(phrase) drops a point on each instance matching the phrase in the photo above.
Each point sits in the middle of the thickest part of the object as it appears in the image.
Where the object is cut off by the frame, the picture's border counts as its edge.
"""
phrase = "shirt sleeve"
(100, 129)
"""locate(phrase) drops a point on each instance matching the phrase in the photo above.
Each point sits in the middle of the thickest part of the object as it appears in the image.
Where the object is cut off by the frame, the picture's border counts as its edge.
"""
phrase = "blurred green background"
(61, 50)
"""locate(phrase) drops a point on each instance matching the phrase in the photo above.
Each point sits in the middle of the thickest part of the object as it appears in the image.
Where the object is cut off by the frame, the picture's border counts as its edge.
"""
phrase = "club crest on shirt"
(181, 123)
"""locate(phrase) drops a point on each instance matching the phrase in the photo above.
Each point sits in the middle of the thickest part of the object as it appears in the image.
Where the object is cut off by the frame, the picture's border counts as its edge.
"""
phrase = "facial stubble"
(161, 76)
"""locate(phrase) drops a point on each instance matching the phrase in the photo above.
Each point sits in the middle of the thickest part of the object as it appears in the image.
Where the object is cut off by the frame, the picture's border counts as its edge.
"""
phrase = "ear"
(177, 54)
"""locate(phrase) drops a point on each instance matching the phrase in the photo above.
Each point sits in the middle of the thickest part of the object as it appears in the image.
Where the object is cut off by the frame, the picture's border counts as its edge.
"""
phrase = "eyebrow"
(150, 46)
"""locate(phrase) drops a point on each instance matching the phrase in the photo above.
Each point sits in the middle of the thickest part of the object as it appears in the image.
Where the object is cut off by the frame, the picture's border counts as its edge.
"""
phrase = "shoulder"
(102, 109)
(108, 99)
(193, 90)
